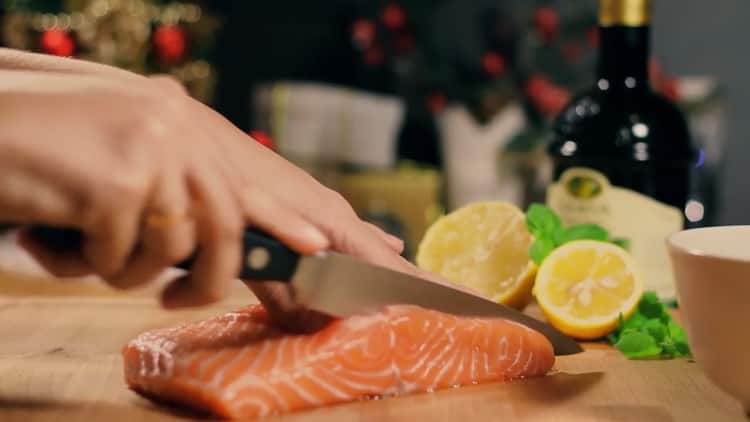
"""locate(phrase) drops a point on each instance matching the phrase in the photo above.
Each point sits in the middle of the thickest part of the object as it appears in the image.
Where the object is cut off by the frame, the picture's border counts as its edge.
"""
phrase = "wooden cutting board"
(59, 361)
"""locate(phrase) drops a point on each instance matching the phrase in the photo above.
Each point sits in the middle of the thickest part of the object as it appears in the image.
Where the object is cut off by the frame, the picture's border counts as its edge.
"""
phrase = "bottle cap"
(624, 12)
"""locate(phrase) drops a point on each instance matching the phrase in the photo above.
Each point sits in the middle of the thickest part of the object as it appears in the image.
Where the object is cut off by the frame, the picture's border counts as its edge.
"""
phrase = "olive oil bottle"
(622, 154)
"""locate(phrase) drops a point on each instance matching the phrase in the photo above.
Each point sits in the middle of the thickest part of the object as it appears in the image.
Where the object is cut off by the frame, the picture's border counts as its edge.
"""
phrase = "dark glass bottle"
(620, 127)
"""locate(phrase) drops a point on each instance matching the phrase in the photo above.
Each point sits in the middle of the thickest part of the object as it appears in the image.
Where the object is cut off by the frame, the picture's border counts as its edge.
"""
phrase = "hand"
(149, 175)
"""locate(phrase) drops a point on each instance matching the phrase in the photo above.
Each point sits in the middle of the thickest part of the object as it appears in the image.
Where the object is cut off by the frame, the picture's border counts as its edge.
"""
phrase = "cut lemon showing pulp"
(583, 286)
(483, 246)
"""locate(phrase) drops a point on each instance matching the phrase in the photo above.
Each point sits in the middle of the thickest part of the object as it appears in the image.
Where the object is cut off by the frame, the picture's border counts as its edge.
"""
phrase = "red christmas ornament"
(572, 52)
(662, 82)
(394, 17)
(170, 43)
(547, 23)
(436, 102)
(374, 56)
(363, 32)
(493, 63)
(545, 95)
(262, 138)
(593, 37)
(57, 42)
(403, 44)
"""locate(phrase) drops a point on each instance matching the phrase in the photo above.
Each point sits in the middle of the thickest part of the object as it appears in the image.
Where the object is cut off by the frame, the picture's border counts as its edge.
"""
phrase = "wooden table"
(59, 361)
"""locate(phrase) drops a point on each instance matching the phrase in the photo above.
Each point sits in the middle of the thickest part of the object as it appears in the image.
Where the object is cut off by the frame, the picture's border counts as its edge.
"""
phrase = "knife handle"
(263, 257)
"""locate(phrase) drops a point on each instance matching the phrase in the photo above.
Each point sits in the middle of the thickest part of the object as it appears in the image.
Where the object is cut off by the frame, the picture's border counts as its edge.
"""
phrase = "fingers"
(112, 225)
(264, 211)
(167, 234)
(394, 242)
(62, 263)
(219, 233)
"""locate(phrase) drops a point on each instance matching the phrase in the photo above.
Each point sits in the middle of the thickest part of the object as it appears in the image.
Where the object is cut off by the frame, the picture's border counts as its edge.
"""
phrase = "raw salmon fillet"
(239, 366)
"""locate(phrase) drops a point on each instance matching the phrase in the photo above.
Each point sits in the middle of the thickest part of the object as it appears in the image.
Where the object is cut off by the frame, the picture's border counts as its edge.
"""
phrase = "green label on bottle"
(584, 195)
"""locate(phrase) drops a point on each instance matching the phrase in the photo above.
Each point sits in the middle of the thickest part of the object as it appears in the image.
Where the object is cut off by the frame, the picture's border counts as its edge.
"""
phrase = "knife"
(341, 286)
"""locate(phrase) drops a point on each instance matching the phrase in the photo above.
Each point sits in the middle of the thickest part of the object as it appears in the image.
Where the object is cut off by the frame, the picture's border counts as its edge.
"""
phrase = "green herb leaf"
(542, 221)
(622, 242)
(581, 232)
(650, 306)
(638, 345)
(650, 332)
(656, 329)
(540, 249)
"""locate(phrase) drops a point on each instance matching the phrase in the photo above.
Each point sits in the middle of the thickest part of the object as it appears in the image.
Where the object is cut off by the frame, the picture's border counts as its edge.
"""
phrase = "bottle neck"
(623, 59)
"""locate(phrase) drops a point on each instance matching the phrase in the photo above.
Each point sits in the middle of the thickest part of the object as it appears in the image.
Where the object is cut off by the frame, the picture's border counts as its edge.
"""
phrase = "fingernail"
(316, 238)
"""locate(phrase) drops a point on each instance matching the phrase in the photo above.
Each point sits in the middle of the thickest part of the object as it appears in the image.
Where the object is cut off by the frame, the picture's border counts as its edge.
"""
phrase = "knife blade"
(341, 285)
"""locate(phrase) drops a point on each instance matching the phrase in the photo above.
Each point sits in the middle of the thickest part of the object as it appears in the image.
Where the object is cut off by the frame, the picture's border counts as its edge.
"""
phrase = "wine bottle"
(622, 154)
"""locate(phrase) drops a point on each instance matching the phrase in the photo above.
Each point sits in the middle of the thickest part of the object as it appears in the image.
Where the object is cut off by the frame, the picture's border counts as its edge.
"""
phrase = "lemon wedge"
(483, 246)
(583, 286)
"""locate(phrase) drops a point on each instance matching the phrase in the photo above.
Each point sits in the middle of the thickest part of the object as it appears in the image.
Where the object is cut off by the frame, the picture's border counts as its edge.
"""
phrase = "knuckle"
(229, 229)
(169, 84)
(176, 251)
(337, 205)
(128, 185)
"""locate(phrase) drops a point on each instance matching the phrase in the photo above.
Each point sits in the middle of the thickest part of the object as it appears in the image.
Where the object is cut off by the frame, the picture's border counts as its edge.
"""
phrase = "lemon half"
(483, 246)
(583, 286)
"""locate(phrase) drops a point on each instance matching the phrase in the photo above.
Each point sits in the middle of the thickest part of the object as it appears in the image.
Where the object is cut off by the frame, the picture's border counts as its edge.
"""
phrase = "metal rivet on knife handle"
(258, 258)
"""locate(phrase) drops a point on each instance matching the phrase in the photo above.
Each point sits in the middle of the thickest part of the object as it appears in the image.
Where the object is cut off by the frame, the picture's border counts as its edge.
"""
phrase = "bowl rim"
(671, 243)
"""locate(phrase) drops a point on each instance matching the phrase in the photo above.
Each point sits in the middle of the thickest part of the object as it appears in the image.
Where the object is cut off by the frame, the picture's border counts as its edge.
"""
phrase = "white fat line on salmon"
(250, 382)
(443, 370)
(518, 354)
(528, 362)
(160, 350)
(299, 390)
(503, 343)
(460, 366)
(340, 376)
(253, 403)
(437, 358)
(434, 341)
(218, 377)
(325, 385)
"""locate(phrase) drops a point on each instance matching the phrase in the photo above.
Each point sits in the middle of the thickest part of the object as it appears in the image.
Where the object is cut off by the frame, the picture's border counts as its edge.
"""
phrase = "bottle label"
(583, 195)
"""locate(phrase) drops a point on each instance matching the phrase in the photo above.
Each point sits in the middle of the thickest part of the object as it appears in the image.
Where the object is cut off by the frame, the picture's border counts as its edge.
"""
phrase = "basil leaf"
(622, 242)
(581, 232)
(638, 345)
(542, 221)
(651, 307)
(540, 249)
(656, 329)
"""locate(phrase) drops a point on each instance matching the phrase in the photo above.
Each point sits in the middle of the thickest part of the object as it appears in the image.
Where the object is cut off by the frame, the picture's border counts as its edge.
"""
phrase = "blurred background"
(414, 107)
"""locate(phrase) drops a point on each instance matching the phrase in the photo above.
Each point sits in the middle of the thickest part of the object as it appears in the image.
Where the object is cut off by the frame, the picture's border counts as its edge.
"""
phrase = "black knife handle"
(263, 257)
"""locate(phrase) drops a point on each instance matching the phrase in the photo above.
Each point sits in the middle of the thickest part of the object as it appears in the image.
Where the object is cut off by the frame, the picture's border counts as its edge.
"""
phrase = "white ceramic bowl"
(712, 273)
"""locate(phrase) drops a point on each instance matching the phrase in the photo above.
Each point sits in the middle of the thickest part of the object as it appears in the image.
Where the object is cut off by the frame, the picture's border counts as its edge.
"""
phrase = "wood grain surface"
(60, 361)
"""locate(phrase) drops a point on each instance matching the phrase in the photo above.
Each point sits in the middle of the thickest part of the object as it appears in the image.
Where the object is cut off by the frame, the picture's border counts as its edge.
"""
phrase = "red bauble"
(394, 17)
(262, 138)
(170, 43)
(547, 23)
(493, 63)
(374, 56)
(593, 37)
(436, 102)
(57, 42)
(572, 52)
(363, 32)
(403, 44)
(545, 95)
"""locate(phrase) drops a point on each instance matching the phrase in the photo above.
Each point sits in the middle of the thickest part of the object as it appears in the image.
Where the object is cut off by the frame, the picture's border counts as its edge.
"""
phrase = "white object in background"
(471, 155)
(375, 124)
(325, 124)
